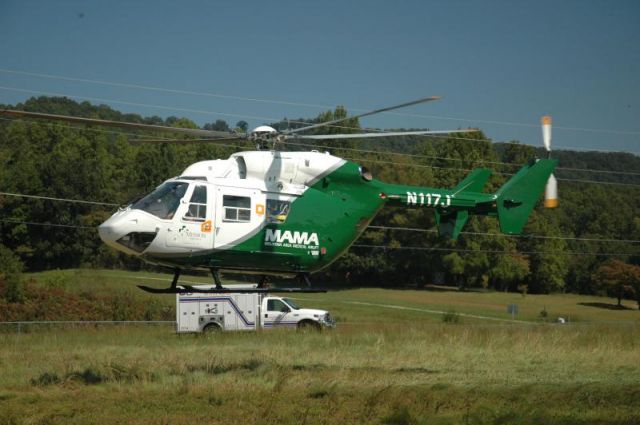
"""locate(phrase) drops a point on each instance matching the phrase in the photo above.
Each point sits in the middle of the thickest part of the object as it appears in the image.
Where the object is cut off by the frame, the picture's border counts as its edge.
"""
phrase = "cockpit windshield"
(164, 201)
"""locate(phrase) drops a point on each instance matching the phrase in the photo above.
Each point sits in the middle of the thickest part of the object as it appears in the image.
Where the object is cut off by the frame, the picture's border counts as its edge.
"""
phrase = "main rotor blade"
(366, 114)
(188, 141)
(367, 135)
(120, 124)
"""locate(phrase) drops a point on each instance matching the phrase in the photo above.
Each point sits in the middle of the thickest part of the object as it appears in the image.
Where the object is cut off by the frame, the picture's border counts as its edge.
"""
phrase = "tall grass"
(440, 373)
(392, 360)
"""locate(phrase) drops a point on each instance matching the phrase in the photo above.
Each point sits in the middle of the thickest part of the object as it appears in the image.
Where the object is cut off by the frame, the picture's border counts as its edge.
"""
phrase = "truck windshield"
(291, 303)
(164, 201)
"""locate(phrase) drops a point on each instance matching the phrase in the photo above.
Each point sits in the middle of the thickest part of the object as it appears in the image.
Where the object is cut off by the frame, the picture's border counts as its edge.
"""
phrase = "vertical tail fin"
(517, 197)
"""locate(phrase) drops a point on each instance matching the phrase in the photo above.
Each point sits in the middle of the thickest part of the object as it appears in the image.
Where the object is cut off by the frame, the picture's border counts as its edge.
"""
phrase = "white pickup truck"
(205, 312)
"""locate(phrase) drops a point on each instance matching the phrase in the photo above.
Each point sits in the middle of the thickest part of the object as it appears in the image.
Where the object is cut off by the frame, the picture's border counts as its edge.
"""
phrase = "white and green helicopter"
(270, 212)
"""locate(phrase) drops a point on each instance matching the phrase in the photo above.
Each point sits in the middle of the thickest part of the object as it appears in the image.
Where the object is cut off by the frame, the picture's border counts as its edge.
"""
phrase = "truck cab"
(204, 312)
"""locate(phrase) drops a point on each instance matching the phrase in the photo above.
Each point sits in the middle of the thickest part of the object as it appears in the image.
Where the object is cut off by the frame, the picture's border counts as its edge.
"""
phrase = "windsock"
(551, 189)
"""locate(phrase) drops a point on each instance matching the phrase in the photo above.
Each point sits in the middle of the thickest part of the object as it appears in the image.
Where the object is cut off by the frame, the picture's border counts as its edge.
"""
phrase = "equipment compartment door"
(188, 316)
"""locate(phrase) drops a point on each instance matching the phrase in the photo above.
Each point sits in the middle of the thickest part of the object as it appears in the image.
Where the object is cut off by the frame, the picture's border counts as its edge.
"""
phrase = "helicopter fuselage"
(289, 213)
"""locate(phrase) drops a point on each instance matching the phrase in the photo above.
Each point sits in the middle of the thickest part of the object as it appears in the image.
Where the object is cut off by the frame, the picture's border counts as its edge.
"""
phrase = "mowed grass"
(392, 359)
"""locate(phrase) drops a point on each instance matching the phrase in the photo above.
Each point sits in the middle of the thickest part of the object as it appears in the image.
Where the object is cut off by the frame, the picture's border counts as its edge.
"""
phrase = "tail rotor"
(551, 189)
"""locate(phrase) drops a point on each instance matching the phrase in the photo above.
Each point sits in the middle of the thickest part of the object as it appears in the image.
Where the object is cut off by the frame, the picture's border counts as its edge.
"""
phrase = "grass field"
(392, 360)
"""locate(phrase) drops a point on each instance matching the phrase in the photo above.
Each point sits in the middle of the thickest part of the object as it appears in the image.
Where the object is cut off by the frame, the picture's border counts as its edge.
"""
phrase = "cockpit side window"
(197, 210)
(164, 201)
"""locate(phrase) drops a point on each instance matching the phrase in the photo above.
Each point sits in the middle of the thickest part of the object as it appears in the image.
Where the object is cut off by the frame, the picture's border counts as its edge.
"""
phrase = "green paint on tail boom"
(512, 203)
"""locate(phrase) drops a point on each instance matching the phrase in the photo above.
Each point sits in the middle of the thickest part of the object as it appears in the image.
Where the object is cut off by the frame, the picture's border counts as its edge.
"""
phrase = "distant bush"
(399, 416)
(451, 316)
(11, 282)
(45, 379)
(55, 302)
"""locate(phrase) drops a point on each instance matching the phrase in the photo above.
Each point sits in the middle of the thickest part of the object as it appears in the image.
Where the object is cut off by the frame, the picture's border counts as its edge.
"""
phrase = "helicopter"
(292, 213)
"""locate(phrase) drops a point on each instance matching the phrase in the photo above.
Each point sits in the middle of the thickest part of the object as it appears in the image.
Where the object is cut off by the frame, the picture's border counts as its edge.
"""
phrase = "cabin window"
(236, 208)
(277, 210)
(197, 210)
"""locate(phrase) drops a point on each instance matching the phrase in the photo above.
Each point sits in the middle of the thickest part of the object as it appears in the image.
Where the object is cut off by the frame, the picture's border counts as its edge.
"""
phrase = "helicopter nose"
(107, 233)
(125, 232)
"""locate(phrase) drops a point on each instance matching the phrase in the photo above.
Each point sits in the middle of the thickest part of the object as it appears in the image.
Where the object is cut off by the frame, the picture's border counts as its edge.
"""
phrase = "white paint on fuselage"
(257, 174)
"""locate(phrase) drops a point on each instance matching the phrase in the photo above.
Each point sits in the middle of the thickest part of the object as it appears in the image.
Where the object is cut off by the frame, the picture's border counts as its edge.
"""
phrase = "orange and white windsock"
(551, 190)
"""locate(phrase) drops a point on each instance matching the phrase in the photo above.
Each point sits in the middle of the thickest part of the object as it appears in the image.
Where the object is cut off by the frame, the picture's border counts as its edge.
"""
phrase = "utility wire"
(141, 138)
(32, 223)
(419, 230)
(479, 161)
(291, 103)
(264, 119)
(491, 251)
(385, 247)
(396, 228)
(78, 201)
(419, 165)
(30, 122)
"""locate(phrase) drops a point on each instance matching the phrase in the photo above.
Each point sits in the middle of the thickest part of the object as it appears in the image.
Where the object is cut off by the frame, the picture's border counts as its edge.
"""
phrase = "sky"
(498, 65)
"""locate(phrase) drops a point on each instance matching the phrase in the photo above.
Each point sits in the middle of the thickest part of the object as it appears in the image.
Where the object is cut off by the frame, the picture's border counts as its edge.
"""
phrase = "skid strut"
(215, 273)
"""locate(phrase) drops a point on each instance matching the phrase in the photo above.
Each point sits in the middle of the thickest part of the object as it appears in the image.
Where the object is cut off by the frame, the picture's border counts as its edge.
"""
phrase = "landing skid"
(223, 290)
(219, 289)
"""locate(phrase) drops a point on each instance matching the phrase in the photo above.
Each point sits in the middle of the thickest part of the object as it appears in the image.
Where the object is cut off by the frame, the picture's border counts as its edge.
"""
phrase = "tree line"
(569, 249)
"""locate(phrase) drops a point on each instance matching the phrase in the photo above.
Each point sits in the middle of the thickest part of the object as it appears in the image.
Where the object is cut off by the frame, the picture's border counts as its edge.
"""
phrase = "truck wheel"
(309, 325)
(211, 328)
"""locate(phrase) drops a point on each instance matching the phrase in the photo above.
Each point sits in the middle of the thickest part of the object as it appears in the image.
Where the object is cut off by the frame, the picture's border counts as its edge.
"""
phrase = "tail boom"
(512, 203)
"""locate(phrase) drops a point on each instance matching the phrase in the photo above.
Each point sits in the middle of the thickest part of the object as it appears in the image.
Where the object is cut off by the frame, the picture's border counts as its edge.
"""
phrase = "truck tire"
(309, 325)
(211, 328)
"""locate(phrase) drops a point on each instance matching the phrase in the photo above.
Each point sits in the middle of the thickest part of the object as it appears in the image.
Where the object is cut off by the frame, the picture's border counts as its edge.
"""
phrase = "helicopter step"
(219, 289)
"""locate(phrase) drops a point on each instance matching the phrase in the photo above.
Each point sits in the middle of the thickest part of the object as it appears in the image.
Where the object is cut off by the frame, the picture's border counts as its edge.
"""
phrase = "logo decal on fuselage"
(289, 239)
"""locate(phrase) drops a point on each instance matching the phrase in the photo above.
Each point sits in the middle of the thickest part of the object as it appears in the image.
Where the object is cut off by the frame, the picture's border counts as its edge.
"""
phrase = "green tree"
(11, 283)
(619, 279)
(455, 265)
(242, 125)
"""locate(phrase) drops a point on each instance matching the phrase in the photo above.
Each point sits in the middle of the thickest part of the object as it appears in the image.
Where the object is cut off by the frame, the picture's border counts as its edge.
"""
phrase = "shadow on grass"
(606, 306)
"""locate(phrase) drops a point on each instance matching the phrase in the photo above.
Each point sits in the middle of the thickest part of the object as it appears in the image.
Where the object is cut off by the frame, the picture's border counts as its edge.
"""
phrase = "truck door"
(277, 313)
(192, 225)
(240, 214)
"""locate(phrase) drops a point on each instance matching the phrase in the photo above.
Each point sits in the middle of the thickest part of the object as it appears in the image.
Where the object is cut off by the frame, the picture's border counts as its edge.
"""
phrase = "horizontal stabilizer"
(450, 224)
(474, 182)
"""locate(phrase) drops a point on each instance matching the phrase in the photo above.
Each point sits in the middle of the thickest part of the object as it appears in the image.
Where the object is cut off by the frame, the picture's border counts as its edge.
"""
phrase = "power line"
(264, 119)
(142, 138)
(58, 199)
(291, 103)
(410, 155)
(385, 247)
(32, 223)
(491, 251)
(377, 152)
(395, 228)
(494, 172)
(478, 161)
(419, 230)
